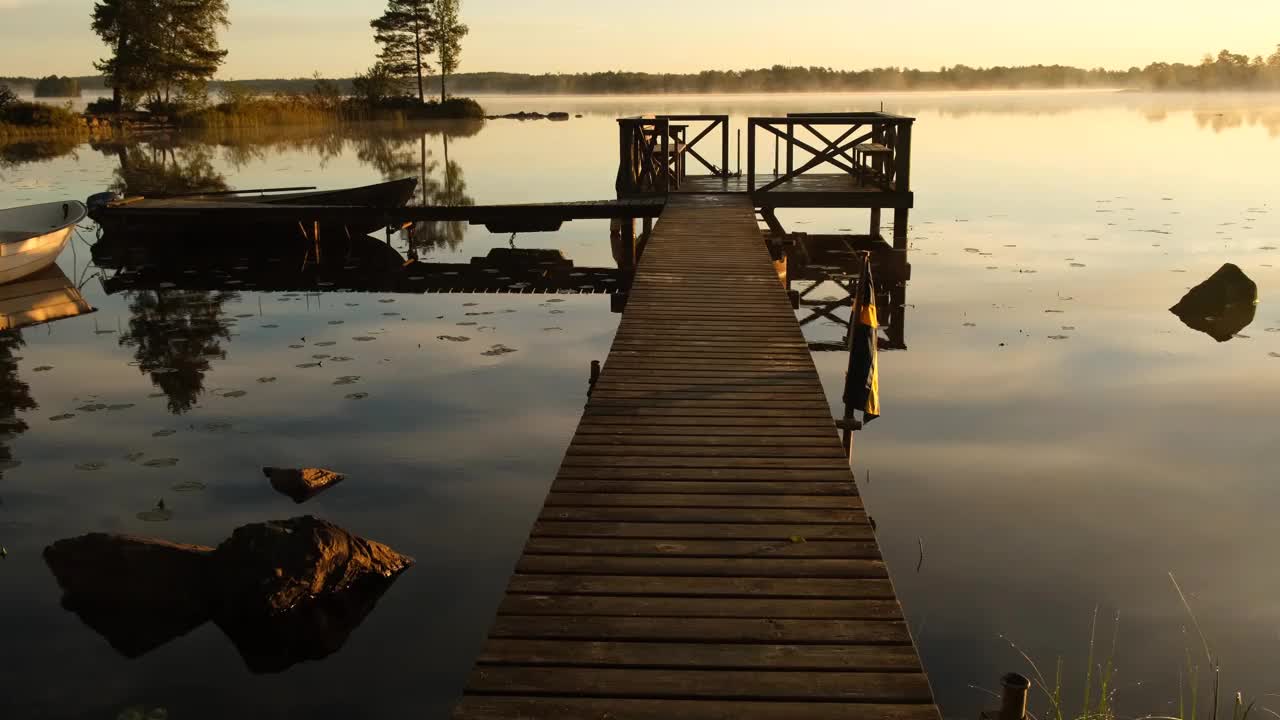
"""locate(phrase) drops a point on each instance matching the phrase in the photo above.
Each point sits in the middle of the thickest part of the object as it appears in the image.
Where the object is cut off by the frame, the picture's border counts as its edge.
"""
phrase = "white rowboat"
(32, 237)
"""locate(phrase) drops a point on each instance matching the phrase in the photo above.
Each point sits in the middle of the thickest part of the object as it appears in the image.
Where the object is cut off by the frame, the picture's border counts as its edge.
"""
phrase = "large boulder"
(294, 590)
(302, 484)
(269, 568)
(1221, 306)
(138, 593)
(283, 592)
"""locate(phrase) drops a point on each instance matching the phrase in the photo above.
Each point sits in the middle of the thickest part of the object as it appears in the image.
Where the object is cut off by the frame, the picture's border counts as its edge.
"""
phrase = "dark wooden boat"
(205, 216)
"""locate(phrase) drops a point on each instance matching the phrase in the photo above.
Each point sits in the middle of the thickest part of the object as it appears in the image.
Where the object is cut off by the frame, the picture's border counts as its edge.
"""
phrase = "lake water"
(1053, 441)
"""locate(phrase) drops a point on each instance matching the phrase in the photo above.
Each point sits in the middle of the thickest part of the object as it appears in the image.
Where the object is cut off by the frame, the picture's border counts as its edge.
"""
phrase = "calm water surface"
(1053, 439)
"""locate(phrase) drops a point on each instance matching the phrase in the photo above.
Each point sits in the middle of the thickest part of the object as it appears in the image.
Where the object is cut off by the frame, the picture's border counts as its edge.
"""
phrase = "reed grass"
(1099, 697)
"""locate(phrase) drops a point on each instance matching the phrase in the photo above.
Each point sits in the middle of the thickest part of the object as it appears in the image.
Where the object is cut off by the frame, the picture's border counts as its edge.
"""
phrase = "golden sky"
(276, 38)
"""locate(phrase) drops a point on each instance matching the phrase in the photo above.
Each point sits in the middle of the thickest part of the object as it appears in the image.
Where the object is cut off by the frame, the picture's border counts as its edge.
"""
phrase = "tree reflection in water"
(439, 182)
(164, 167)
(15, 396)
(175, 335)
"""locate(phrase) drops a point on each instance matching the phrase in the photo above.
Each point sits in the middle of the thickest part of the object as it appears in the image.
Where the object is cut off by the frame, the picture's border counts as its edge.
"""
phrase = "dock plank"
(703, 551)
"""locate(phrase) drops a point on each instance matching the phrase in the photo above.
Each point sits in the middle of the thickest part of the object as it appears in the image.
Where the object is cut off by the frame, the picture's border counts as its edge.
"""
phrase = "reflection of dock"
(822, 263)
(497, 218)
(703, 552)
(365, 265)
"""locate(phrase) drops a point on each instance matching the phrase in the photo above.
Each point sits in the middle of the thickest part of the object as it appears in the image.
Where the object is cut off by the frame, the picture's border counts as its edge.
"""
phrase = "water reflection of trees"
(41, 150)
(165, 168)
(175, 334)
(440, 182)
(15, 395)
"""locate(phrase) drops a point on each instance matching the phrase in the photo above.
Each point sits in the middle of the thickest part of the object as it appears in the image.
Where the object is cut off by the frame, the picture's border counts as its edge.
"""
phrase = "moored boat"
(32, 237)
(224, 213)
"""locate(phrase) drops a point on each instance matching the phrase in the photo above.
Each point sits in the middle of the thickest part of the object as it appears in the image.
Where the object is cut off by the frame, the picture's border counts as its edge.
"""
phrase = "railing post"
(751, 155)
(665, 126)
(902, 156)
(791, 147)
(724, 146)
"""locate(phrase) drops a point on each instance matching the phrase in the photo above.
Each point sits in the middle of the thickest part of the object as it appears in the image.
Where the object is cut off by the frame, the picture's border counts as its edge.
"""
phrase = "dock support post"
(1013, 698)
(595, 376)
(771, 219)
(622, 238)
(900, 216)
(874, 230)
(791, 148)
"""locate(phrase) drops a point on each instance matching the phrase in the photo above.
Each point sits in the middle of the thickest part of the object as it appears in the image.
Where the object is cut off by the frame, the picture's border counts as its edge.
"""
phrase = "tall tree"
(404, 31)
(158, 46)
(447, 36)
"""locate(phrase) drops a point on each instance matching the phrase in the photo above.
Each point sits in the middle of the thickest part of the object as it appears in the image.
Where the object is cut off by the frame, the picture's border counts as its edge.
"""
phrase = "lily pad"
(307, 365)
(364, 338)
(347, 380)
(119, 406)
(163, 433)
(91, 466)
(234, 394)
(357, 396)
(265, 380)
(497, 350)
(326, 343)
(161, 462)
(42, 368)
(63, 416)
(453, 338)
(188, 486)
(340, 359)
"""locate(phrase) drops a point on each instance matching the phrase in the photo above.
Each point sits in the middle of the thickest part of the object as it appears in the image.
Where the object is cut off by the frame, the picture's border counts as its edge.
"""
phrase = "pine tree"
(447, 35)
(404, 32)
(158, 46)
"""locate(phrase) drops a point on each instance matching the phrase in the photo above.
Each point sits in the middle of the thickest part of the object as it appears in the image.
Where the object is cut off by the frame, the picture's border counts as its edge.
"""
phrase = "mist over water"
(1053, 439)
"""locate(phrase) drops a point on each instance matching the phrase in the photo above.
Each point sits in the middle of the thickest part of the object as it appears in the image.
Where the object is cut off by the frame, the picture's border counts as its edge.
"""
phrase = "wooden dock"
(703, 553)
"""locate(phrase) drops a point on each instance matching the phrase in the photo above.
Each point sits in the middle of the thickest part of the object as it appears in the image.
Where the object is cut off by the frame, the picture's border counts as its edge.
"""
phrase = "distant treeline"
(1225, 71)
(54, 86)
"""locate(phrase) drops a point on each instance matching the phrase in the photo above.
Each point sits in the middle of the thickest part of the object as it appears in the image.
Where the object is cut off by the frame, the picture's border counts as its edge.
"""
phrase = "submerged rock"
(139, 593)
(1221, 306)
(302, 484)
(283, 592)
(268, 568)
(311, 630)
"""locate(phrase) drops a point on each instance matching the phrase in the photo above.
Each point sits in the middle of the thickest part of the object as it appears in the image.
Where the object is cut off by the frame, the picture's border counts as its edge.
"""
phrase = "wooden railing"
(644, 152)
(685, 147)
(654, 152)
(873, 148)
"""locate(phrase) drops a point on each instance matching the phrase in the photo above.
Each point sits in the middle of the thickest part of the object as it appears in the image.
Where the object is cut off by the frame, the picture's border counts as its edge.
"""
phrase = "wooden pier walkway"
(703, 553)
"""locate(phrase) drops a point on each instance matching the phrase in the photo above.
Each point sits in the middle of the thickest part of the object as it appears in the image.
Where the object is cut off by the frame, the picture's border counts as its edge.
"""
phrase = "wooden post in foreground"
(1013, 698)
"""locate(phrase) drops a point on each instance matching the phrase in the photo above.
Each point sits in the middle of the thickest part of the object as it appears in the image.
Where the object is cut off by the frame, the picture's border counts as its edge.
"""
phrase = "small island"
(55, 86)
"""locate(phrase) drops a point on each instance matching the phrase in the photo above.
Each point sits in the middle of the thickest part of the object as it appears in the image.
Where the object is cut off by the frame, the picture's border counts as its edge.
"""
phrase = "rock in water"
(269, 568)
(295, 590)
(1221, 306)
(303, 484)
(284, 592)
(138, 593)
